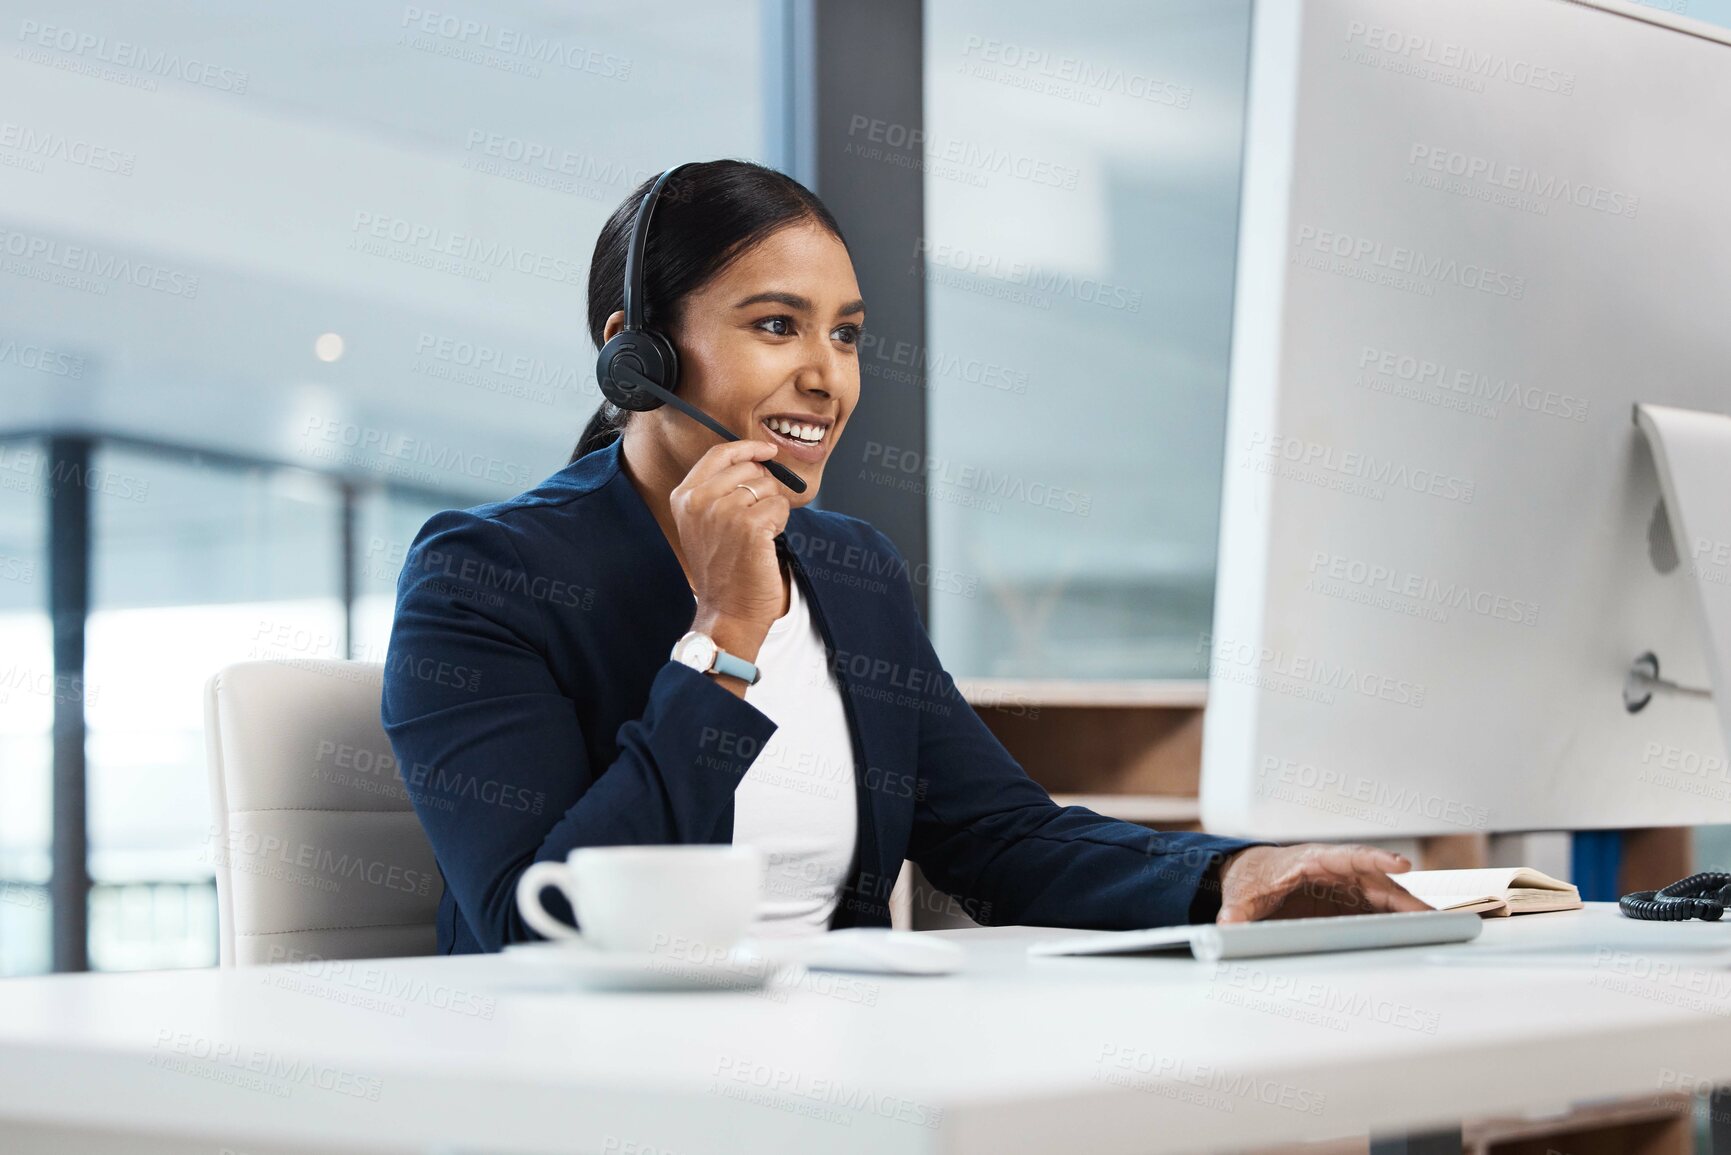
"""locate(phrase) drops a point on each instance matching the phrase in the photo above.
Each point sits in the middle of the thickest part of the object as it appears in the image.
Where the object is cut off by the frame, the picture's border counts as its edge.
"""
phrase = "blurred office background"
(282, 280)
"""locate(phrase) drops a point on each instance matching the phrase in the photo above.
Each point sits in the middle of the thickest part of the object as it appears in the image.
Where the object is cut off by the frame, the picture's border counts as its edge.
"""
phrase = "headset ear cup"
(614, 391)
(669, 360)
(650, 354)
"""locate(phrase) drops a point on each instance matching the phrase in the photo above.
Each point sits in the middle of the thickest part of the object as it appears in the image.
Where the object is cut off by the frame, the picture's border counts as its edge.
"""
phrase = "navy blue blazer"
(533, 709)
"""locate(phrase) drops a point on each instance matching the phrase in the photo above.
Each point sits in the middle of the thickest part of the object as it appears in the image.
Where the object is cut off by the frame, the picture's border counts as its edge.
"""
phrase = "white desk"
(1016, 1055)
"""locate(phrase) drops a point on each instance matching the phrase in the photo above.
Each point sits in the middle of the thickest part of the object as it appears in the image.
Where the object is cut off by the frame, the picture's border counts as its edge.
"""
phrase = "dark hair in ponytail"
(708, 215)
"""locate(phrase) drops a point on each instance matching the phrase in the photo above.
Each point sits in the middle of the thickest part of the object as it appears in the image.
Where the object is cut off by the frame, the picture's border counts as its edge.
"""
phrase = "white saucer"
(744, 968)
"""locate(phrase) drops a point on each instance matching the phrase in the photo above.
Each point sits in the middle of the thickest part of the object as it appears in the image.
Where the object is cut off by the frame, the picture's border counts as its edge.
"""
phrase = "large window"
(1081, 188)
(300, 275)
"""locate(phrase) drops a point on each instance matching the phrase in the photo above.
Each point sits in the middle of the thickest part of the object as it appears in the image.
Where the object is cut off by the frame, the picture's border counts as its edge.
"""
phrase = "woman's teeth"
(797, 431)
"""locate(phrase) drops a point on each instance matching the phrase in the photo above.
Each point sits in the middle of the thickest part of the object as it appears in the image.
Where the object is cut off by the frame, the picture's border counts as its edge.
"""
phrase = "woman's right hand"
(728, 541)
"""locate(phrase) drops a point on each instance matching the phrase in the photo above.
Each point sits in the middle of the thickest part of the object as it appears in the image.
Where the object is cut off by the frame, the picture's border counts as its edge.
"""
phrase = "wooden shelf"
(1655, 1125)
(985, 693)
(1154, 808)
(1135, 739)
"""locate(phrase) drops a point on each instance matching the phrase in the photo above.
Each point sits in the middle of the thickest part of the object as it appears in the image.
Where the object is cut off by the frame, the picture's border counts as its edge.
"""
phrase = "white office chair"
(317, 849)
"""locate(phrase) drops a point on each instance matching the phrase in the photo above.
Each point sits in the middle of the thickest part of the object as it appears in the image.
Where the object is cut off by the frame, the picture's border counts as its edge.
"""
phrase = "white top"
(797, 803)
(1013, 1056)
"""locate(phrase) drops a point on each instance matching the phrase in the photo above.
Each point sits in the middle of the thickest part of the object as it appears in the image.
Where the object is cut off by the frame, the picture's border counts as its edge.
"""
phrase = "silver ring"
(748, 489)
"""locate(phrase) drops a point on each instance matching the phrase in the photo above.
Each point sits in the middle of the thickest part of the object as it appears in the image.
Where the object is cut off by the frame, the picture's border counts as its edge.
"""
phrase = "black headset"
(638, 369)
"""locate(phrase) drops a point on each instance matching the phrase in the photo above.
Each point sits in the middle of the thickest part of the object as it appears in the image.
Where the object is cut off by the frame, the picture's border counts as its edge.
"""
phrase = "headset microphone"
(638, 370)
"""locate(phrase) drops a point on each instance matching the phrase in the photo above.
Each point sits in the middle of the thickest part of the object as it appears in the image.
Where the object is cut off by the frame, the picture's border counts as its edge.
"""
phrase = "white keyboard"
(1210, 942)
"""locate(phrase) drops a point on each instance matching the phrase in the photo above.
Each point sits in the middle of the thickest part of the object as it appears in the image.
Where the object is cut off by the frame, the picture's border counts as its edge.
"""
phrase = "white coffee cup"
(649, 898)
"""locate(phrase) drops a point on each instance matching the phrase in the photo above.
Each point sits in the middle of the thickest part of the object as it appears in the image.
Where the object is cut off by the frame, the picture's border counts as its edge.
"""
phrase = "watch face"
(695, 650)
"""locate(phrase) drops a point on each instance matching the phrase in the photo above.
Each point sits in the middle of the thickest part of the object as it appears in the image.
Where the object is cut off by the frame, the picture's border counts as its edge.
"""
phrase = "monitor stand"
(1692, 453)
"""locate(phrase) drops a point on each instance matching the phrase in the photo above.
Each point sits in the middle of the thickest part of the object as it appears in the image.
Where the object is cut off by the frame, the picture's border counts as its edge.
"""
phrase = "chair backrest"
(317, 848)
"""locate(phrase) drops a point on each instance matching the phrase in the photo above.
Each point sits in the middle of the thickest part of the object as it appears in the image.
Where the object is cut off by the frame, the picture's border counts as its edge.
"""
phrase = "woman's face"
(769, 348)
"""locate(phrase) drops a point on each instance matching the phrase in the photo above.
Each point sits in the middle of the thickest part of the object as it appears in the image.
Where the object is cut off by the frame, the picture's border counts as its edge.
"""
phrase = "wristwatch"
(700, 652)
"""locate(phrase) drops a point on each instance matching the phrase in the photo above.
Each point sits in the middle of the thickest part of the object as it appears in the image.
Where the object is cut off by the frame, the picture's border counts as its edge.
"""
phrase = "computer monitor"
(1474, 236)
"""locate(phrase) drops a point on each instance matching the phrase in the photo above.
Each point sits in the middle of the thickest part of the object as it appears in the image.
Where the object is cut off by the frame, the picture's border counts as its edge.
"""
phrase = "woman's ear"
(614, 323)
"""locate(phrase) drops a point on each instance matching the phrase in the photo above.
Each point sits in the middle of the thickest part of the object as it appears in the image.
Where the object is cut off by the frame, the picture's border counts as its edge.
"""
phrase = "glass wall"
(273, 262)
(1081, 211)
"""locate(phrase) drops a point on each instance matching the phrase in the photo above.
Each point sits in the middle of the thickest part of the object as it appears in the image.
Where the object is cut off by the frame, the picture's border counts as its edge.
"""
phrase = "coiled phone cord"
(1704, 896)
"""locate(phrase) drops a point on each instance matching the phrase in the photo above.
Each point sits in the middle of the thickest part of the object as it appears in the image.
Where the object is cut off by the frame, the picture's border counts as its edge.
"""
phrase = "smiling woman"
(751, 226)
(779, 364)
(744, 667)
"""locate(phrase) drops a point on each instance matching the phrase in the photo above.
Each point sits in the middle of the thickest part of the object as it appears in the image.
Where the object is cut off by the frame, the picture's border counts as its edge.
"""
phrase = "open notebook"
(1493, 892)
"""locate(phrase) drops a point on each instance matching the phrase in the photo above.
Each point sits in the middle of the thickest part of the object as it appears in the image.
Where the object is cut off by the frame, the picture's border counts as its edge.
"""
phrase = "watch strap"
(734, 666)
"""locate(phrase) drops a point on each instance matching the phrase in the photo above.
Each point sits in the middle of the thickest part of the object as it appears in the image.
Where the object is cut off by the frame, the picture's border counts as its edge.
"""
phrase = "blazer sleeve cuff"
(1191, 875)
(718, 733)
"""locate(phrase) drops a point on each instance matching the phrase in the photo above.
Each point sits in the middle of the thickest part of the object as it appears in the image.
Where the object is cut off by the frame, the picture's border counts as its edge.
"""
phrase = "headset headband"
(634, 254)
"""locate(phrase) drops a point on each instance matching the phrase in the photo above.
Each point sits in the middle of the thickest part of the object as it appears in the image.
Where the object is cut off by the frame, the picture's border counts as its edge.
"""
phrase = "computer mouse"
(874, 950)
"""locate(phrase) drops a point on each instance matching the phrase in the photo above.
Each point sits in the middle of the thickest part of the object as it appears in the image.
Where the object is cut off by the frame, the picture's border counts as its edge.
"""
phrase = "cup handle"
(529, 887)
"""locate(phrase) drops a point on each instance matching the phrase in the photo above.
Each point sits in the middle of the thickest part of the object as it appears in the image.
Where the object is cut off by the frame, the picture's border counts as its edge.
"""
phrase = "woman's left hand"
(1311, 879)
